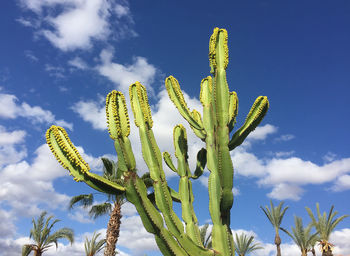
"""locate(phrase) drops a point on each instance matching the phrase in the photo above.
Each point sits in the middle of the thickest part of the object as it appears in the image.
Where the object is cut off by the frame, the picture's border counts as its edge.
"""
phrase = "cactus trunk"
(174, 237)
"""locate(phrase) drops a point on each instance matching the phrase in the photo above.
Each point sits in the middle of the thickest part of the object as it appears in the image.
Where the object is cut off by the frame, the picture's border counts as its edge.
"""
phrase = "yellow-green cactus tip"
(64, 150)
(142, 99)
(117, 115)
(218, 41)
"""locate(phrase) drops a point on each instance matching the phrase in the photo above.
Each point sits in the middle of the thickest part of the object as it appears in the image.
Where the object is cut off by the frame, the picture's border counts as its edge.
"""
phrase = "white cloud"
(39, 175)
(9, 101)
(125, 75)
(55, 71)
(285, 137)
(261, 132)
(81, 215)
(76, 27)
(7, 227)
(297, 171)
(8, 138)
(78, 63)
(30, 55)
(329, 157)
(92, 112)
(76, 24)
(342, 183)
(10, 151)
(132, 230)
(35, 114)
(122, 11)
(286, 191)
(341, 240)
(43, 171)
(284, 153)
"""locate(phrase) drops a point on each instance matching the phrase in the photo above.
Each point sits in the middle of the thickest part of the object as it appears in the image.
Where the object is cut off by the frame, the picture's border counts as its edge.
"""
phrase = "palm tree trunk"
(37, 253)
(113, 229)
(313, 251)
(327, 253)
(278, 243)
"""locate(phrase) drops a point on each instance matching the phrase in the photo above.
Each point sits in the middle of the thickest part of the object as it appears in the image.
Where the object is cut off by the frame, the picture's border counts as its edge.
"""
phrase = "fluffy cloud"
(285, 174)
(342, 183)
(10, 151)
(341, 239)
(132, 230)
(78, 63)
(124, 75)
(43, 170)
(284, 137)
(92, 112)
(76, 24)
(35, 114)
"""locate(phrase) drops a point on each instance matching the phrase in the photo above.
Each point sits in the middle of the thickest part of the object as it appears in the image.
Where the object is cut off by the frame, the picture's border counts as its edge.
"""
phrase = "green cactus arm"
(119, 129)
(175, 196)
(201, 162)
(233, 110)
(152, 157)
(197, 117)
(163, 247)
(176, 96)
(150, 151)
(185, 187)
(255, 116)
(69, 157)
(136, 193)
(169, 162)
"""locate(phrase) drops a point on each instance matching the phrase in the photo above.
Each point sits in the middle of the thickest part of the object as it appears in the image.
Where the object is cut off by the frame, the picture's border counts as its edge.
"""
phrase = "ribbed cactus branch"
(176, 96)
(185, 185)
(255, 116)
(69, 157)
(174, 237)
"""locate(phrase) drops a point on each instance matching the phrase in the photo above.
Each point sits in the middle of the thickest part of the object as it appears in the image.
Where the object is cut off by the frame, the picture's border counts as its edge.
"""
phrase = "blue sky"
(60, 58)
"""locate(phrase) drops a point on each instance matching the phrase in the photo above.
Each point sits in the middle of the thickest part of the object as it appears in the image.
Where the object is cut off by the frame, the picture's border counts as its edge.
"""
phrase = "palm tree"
(206, 240)
(302, 236)
(324, 226)
(92, 246)
(275, 216)
(111, 206)
(40, 233)
(244, 244)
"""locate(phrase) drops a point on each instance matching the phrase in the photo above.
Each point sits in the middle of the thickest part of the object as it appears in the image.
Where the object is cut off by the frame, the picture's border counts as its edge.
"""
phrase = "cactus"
(220, 108)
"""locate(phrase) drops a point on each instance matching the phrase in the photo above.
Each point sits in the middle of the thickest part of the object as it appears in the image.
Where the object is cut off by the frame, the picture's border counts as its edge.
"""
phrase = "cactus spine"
(220, 108)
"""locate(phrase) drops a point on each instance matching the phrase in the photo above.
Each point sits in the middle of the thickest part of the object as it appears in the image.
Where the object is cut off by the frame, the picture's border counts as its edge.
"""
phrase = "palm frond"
(66, 233)
(27, 249)
(244, 244)
(92, 247)
(108, 167)
(100, 209)
(85, 200)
